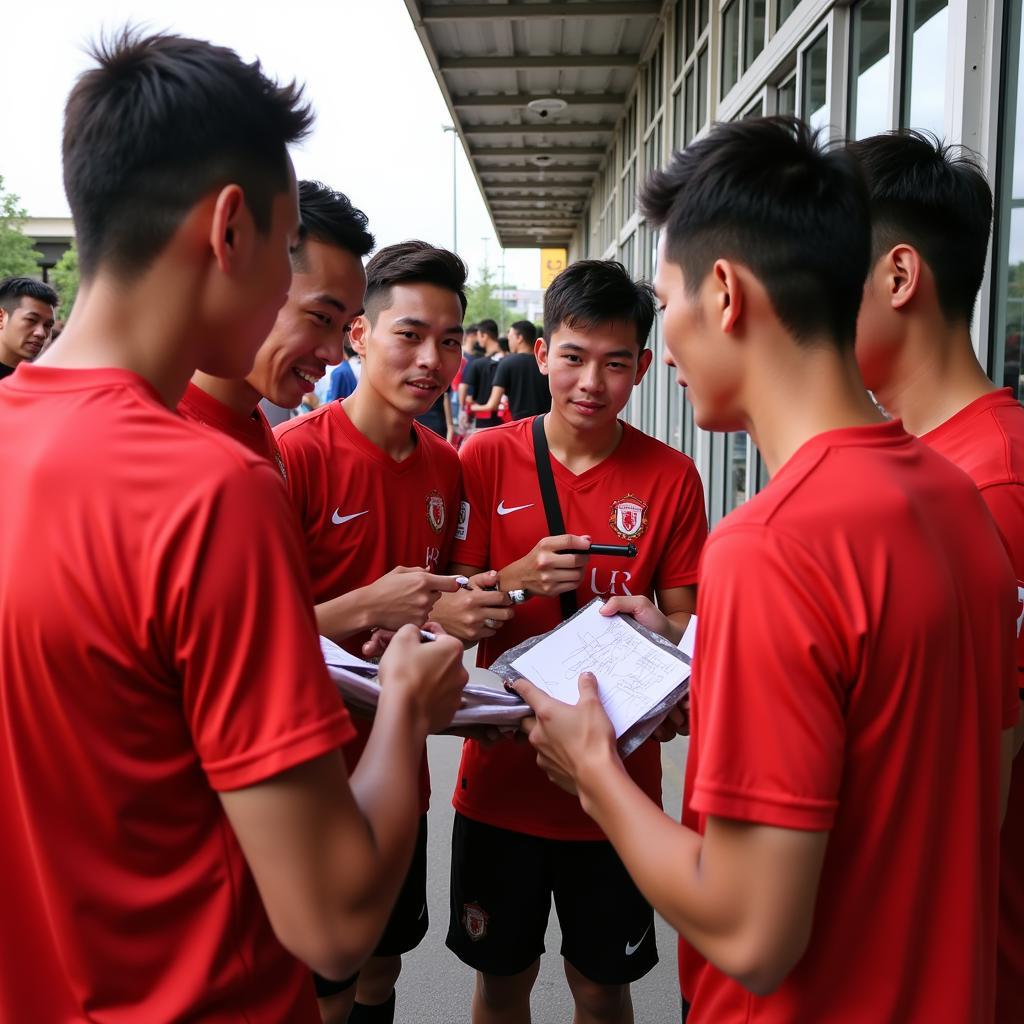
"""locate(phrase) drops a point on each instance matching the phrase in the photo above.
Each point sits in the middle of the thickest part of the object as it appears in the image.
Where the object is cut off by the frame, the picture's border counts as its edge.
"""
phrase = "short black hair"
(488, 327)
(935, 198)
(526, 330)
(412, 262)
(764, 193)
(472, 328)
(14, 289)
(592, 292)
(329, 217)
(158, 124)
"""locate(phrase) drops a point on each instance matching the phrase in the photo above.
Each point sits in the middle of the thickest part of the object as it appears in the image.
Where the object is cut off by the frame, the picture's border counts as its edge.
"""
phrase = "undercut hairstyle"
(412, 262)
(589, 293)
(488, 327)
(329, 217)
(763, 193)
(936, 198)
(162, 121)
(14, 289)
(526, 330)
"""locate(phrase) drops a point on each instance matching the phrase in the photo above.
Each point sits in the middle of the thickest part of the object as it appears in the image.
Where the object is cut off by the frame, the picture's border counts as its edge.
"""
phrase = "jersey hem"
(528, 828)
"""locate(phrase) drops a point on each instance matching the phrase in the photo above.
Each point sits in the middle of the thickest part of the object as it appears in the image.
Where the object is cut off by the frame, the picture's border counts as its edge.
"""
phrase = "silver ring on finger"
(490, 624)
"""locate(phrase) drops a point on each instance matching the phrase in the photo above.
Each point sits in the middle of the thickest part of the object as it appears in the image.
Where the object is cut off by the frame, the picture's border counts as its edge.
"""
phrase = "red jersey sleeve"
(256, 695)
(472, 543)
(768, 693)
(1006, 506)
(680, 561)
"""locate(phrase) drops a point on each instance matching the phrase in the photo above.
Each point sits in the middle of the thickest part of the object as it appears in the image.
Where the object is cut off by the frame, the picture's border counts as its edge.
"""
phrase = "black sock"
(382, 1013)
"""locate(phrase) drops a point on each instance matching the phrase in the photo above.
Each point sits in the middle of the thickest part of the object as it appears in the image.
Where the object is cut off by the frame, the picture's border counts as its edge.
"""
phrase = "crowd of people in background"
(195, 826)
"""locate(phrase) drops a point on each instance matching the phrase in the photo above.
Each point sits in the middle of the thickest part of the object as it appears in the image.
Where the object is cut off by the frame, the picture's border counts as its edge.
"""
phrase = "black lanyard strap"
(553, 511)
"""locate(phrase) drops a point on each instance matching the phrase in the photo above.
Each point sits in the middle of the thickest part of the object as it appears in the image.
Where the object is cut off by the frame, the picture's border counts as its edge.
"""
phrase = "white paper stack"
(484, 700)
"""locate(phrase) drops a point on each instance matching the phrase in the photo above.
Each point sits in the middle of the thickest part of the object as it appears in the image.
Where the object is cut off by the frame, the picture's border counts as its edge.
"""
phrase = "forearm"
(345, 615)
(679, 621)
(663, 858)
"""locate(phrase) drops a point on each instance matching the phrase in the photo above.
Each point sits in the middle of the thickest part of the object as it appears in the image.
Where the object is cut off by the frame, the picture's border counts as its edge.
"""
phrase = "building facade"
(952, 67)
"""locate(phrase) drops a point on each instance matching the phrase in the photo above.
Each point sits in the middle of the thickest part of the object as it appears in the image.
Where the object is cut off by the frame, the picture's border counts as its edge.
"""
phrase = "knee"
(501, 991)
(599, 1002)
(377, 979)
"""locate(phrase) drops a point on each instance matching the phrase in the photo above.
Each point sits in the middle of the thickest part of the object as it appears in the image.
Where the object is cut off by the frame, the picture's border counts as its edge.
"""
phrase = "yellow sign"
(552, 263)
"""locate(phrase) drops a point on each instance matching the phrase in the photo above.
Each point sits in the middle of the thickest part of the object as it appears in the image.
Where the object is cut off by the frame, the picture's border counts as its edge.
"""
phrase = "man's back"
(860, 685)
(133, 586)
(526, 387)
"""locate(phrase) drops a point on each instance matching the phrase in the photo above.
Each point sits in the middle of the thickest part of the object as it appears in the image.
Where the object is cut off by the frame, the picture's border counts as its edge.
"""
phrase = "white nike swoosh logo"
(338, 520)
(502, 511)
(631, 949)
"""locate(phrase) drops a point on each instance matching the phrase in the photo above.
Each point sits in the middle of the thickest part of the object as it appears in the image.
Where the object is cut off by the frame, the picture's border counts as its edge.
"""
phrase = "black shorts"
(408, 922)
(501, 889)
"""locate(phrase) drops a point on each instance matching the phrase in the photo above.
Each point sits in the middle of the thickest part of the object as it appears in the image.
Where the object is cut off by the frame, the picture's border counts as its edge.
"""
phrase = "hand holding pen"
(476, 611)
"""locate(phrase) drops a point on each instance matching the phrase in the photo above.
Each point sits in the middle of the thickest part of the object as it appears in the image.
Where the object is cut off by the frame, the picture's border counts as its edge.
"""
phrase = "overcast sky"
(378, 135)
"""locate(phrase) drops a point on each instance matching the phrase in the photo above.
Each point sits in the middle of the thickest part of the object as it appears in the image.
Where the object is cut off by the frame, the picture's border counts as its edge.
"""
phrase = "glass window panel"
(629, 191)
(679, 117)
(689, 434)
(654, 81)
(683, 15)
(736, 470)
(689, 101)
(924, 74)
(702, 88)
(783, 9)
(1013, 316)
(814, 87)
(756, 109)
(869, 75)
(730, 46)
(753, 31)
(704, 17)
(785, 97)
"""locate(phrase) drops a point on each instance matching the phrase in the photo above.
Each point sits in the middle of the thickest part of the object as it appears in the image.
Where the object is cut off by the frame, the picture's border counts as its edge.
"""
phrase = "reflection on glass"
(924, 75)
(704, 15)
(753, 31)
(702, 88)
(869, 76)
(730, 46)
(736, 470)
(814, 107)
(786, 96)
(684, 18)
(688, 94)
(783, 9)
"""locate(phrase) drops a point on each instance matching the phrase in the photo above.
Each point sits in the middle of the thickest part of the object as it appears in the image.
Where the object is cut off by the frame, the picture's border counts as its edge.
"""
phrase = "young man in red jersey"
(837, 860)
(931, 214)
(614, 484)
(171, 760)
(377, 496)
(325, 296)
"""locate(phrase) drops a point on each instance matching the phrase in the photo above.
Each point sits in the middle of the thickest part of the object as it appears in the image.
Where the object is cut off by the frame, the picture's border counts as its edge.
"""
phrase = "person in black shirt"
(519, 377)
(478, 376)
(26, 319)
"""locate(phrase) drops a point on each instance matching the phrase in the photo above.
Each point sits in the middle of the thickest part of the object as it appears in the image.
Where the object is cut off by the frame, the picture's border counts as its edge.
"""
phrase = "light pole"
(455, 194)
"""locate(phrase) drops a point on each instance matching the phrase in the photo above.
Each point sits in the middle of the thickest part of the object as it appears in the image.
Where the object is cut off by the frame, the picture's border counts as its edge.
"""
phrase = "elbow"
(762, 967)
(333, 955)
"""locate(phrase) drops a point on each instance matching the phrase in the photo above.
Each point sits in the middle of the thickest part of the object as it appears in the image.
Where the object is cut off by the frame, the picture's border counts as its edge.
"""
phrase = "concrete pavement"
(436, 988)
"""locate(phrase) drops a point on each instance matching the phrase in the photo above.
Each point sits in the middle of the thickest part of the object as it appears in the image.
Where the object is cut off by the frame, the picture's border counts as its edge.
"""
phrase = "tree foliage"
(64, 277)
(483, 303)
(16, 253)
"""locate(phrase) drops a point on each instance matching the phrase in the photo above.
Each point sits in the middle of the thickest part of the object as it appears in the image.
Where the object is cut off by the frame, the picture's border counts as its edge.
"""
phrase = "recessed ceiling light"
(542, 159)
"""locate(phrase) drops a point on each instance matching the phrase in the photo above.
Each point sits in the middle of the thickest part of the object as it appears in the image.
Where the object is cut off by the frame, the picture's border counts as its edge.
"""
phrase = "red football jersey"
(363, 513)
(986, 440)
(851, 675)
(157, 644)
(644, 492)
(252, 431)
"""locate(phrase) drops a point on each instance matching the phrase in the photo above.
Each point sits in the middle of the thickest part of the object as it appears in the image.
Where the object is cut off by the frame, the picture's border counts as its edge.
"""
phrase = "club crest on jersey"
(435, 511)
(474, 920)
(629, 516)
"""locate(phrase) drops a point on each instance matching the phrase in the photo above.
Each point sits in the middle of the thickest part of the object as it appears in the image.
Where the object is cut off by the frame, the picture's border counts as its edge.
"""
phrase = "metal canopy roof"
(535, 168)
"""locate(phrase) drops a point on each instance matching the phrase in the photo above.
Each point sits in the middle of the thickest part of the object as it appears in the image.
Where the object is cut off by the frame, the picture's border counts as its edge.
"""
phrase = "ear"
(643, 365)
(728, 295)
(227, 230)
(540, 353)
(359, 334)
(903, 270)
